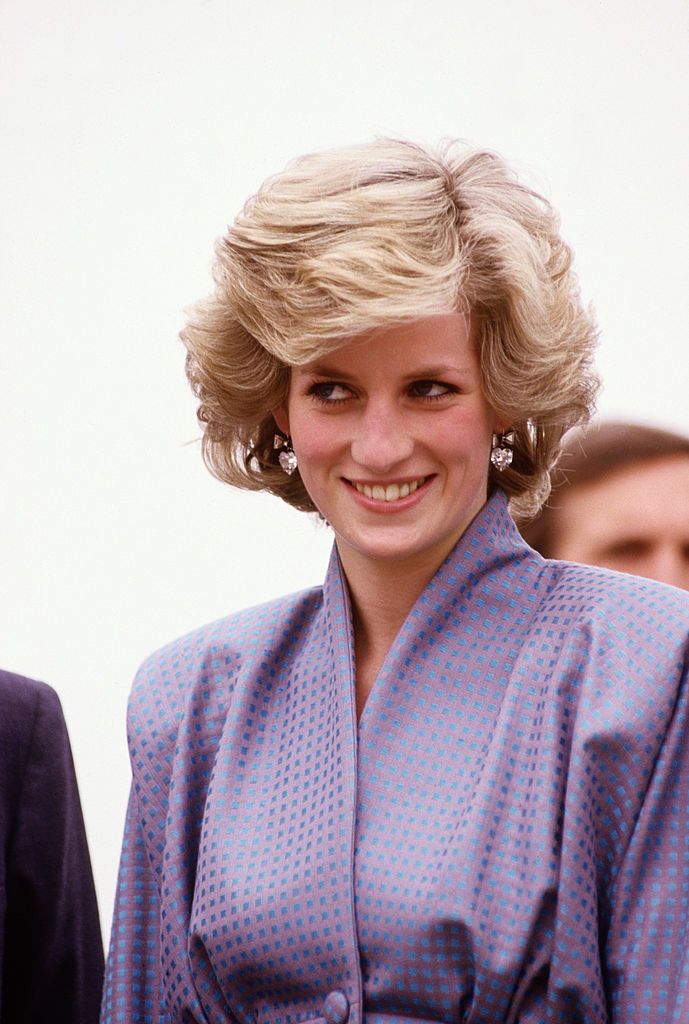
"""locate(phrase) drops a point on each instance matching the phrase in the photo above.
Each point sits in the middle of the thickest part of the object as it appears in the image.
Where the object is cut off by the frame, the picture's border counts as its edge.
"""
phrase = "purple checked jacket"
(503, 838)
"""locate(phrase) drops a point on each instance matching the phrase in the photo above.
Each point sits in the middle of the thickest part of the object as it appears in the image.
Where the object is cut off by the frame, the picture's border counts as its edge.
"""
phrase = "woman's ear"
(501, 425)
(281, 418)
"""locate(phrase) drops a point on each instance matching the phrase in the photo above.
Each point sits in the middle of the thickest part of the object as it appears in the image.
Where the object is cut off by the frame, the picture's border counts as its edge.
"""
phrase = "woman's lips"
(388, 492)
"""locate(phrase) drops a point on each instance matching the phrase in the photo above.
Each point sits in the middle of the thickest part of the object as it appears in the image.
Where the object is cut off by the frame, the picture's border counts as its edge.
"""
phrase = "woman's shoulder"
(638, 619)
(211, 655)
(595, 591)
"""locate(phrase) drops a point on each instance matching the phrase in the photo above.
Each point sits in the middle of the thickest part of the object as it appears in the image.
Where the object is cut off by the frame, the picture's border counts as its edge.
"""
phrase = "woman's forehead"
(441, 342)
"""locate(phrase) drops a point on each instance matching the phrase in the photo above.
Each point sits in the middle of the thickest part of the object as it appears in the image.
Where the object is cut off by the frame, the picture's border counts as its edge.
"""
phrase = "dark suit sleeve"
(53, 954)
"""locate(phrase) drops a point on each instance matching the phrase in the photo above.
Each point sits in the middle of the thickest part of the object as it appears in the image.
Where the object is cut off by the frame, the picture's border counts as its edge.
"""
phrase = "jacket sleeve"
(53, 964)
(647, 954)
(132, 992)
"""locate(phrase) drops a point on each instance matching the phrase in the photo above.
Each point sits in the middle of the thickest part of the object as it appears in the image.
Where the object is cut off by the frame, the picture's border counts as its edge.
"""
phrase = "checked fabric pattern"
(503, 838)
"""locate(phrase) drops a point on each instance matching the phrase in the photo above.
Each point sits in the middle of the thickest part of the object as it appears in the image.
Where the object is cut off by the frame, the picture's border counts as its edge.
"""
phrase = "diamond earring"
(502, 451)
(287, 457)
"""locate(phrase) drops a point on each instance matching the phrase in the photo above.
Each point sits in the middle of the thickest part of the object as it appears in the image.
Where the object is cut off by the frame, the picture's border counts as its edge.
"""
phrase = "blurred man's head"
(621, 500)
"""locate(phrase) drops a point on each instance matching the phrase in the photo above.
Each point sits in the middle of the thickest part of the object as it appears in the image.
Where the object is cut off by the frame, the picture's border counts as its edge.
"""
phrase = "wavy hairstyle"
(369, 236)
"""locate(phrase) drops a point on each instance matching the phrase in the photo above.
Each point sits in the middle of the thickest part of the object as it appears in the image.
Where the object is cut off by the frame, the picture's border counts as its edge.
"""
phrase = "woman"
(450, 784)
(621, 500)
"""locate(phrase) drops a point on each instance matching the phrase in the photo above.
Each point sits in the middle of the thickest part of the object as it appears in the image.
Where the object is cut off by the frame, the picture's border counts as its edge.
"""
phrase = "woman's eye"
(430, 389)
(329, 391)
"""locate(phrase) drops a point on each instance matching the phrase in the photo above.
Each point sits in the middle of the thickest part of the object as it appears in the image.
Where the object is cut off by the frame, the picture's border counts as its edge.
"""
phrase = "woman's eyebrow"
(418, 373)
(325, 370)
(436, 370)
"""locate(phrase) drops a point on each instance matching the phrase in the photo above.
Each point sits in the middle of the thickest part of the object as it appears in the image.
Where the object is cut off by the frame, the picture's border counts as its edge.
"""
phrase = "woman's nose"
(382, 439)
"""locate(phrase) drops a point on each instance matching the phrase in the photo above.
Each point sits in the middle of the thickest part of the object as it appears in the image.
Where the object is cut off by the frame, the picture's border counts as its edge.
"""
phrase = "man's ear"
(282, 419)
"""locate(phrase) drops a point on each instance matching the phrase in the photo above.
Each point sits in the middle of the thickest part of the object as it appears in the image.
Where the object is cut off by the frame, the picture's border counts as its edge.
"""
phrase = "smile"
(391, 492)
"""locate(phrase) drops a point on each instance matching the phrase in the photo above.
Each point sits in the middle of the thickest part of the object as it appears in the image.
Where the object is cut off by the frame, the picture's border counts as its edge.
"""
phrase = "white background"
(131, 134)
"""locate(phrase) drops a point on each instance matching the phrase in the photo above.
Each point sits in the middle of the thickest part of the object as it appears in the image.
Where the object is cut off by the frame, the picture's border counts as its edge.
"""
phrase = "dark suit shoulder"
(22, 702)
(22, 695)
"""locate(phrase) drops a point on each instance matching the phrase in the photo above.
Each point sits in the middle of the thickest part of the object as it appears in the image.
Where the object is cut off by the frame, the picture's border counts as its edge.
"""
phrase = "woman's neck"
(382, 596)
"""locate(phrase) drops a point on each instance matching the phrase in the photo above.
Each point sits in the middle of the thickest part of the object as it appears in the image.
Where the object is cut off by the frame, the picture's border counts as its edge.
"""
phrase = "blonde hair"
(368, 236)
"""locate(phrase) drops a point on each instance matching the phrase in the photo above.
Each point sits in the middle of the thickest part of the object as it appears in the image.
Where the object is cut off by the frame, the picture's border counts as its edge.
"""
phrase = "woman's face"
(393, 437)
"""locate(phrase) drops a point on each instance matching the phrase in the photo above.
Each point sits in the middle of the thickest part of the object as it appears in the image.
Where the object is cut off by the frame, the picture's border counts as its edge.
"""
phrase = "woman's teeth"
(393, 492)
